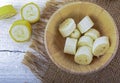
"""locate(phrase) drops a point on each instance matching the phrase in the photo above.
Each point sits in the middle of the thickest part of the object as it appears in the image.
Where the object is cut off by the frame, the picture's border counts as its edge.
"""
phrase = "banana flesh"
(85, 41)
(20, 31)
(100, 46)
(83, 55)
(30, 12)
(70, 46)
(93, 33)
(7, 11)
(85, 24)
(67, 27)
(75, 34)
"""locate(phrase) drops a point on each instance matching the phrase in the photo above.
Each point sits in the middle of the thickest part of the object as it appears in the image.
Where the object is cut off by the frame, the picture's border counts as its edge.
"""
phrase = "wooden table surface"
(12, 53)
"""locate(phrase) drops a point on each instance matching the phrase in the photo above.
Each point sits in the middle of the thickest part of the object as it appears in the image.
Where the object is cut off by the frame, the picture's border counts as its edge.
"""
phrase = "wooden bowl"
(54, 42)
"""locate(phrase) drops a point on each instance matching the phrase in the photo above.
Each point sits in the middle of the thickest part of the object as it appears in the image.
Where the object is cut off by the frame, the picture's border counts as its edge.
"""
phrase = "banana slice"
(20, 31)
(70, 46)
(85, 24)
(7, 11)
(30, 12)
(85, 41)
(67, 27)
(75, 34)
(100, 46)
(83, 55)
(93, 33)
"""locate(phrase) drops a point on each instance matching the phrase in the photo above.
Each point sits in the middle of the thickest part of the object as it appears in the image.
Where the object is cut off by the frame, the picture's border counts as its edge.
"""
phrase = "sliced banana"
(7, 11)
(85, 41)
(70, 46)
(100, 46)
(93, 33)
(67, 27)
(85, 24)
(30, 12)
(75, 34)
(83, 55)
(20, 31)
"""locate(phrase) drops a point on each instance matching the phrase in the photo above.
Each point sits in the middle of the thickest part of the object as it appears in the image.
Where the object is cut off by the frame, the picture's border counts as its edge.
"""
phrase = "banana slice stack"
(82, 40)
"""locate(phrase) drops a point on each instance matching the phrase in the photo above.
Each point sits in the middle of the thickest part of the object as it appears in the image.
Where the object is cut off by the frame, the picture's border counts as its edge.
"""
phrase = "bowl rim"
(95, 70)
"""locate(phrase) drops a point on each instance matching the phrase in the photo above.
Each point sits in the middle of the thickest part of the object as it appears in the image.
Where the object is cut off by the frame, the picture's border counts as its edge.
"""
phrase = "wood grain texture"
(53, 74)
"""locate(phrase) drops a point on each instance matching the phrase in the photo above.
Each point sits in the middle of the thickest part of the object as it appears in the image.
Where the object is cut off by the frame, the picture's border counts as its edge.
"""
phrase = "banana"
(30, 12)
(85, 24)
(67, 27)
(70, 46)
(75, 34)
(7, 11)
(100, 46)
(93, 33)
(20, 31)
(85, 41)
(83, 55)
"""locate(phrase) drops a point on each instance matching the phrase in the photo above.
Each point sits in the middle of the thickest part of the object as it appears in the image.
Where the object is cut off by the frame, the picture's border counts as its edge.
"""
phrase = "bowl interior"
(54, 42)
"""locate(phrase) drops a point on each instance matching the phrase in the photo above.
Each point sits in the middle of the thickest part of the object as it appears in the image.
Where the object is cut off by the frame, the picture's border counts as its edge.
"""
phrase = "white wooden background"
(12, 53)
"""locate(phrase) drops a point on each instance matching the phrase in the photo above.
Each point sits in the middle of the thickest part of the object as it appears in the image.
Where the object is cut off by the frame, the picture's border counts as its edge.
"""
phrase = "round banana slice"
(85, 41)
(20, 31)
(75, 34)
(30, 12)
(100, 46)
(70, 46)
(7, 11)
(67, 27)
(85, 24)
(93, 33)
(83, 55)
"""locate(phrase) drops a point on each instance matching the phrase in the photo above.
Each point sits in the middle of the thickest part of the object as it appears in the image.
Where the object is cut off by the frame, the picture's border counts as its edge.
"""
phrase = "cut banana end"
(30, 12)
(67, 27)
(93, 33)
(85, 24)
(75, 34)
(7, 11)
(85, 41)
(100, 46)
(20, 31)
(83, 55)
(70, 46)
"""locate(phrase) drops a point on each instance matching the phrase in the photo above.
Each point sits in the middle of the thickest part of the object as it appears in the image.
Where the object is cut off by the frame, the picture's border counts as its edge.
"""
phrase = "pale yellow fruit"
(75, 34)
(20, 31)
(83, 55)
(85, 41)
(100, 46)
(70, 46)
(85, 24)
(67, 27)
(7, 11)
(93, 33)
(30, 12)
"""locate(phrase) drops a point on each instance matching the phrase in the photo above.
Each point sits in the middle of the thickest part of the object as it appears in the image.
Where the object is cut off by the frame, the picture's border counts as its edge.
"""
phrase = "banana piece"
(20, 31)
(100, 46)
(75, 34)
(83, 55)
(30, 12)
(85, 24)
(93, 33)
(70, 46)
(85, 41)
(7, 11)
(67, 27)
